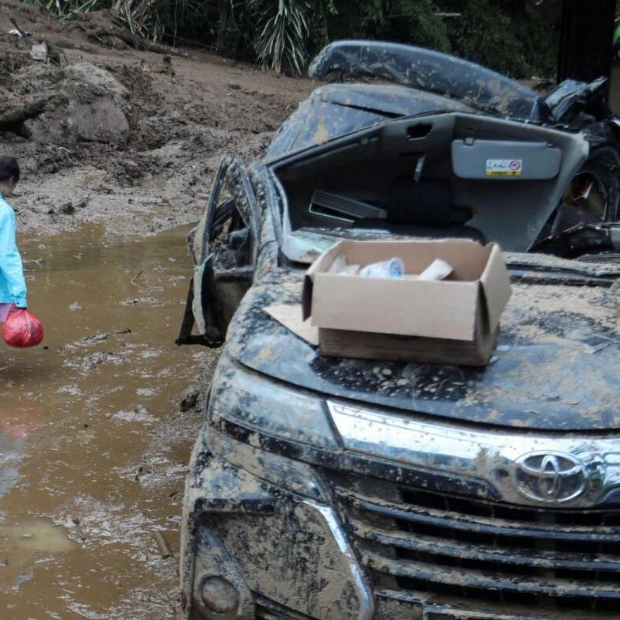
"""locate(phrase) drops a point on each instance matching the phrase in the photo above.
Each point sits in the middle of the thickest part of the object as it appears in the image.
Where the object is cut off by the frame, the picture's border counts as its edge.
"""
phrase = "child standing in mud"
(12, 281)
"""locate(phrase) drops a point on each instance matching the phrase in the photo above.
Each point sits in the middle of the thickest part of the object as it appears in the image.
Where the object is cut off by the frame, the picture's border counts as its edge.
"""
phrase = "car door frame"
(202, 308)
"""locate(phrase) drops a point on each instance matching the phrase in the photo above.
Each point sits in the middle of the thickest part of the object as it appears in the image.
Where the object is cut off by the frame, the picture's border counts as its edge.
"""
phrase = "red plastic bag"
(22, 329)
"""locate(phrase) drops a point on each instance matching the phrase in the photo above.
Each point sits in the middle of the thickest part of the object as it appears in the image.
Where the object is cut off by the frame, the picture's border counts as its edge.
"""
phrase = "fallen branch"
(21, 32)
(133, 40)
(133, 280)
(13, 117)
(100, 336)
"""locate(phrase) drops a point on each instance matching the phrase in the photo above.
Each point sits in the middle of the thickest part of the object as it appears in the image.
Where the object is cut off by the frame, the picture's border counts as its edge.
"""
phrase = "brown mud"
(157, 133)
(95, 428)
(97, 423)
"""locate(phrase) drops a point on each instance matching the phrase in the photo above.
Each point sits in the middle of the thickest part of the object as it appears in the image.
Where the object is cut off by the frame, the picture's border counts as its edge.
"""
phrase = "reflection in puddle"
(19, 423)
(93, 446)
(33, 538)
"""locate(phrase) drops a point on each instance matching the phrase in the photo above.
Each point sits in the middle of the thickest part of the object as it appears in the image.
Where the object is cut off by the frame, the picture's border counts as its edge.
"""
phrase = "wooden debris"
(11, 118)
(133, 280)
(162, 543)
(21, 33)
(133, 40)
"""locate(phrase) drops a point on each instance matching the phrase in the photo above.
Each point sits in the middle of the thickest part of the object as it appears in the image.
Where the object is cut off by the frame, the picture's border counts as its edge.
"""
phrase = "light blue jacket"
(12, 281)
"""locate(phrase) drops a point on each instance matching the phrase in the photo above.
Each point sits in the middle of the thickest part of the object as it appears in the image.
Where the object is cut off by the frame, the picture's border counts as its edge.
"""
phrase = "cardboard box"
(453, 321)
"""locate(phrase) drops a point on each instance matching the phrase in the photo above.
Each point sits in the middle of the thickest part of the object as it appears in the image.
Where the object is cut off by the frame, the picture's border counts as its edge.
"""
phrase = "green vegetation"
(282, 33)
(68, 8)
(517, 37)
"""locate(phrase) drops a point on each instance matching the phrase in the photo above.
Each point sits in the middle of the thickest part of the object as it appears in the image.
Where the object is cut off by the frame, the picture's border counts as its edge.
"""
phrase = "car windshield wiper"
(564, 278)
(373, 110)
(470, 102)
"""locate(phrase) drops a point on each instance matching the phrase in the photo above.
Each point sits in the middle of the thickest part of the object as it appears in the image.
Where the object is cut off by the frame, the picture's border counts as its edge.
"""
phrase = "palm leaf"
(283, 31)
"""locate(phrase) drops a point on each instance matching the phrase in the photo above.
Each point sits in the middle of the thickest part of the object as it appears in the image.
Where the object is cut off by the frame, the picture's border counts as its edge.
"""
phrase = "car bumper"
(284, 557)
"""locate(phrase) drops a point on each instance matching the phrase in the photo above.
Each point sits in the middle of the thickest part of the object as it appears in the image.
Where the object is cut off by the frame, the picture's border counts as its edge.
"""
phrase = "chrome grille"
(426, 543)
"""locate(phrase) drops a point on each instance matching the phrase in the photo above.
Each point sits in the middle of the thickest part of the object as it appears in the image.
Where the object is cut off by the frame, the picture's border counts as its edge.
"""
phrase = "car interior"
(442, 175)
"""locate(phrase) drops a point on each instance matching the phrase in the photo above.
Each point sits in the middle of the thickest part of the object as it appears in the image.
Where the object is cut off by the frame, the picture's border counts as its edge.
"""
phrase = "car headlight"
(261, 410)
(256, 403)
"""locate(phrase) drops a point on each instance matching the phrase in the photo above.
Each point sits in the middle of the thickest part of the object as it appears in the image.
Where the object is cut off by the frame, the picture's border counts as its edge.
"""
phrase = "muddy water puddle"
(94, 441)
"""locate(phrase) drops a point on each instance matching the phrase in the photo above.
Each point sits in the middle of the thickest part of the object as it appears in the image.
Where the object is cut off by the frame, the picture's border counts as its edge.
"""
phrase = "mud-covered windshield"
(337, 110)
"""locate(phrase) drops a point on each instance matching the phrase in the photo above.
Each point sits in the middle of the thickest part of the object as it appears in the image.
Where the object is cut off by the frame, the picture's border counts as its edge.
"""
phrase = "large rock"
(98, 80)
(97, 103)
(83, 103)
(98, 121)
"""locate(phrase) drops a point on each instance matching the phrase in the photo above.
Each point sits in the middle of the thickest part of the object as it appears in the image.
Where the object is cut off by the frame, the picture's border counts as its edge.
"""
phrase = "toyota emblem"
(550, 477)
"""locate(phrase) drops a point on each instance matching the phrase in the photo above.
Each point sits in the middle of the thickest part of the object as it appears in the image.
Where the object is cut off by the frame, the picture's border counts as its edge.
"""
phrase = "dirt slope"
(126, 137)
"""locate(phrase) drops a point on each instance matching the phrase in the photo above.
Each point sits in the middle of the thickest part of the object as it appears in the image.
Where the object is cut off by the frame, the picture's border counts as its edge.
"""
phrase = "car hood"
(554, 368)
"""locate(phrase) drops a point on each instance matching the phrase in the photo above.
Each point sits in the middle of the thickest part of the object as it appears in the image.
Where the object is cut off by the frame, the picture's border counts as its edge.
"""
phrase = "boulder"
(97, 103)
(98, 121)
(98, 80)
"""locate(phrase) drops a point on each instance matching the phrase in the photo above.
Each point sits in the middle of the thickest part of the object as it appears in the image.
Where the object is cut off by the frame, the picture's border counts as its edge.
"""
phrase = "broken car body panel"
(325, 488)
(429, 71)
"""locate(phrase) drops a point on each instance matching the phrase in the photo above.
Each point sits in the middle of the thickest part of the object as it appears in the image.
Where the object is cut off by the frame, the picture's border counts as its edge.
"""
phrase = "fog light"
(219, 595)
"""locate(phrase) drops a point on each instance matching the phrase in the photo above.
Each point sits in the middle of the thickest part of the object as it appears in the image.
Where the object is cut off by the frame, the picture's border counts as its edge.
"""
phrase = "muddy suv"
(336, 489)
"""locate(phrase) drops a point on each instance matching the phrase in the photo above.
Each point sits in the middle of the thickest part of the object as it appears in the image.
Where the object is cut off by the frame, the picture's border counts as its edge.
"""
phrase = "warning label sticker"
(504, 167)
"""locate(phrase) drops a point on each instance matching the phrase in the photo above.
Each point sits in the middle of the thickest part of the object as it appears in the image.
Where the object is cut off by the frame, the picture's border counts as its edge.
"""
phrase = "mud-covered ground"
(118, 149)
(127, 138)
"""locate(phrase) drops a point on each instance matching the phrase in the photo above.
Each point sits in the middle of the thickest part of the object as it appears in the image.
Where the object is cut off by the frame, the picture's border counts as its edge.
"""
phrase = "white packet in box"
(341, 267)
(437, 270)
(392, 268)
